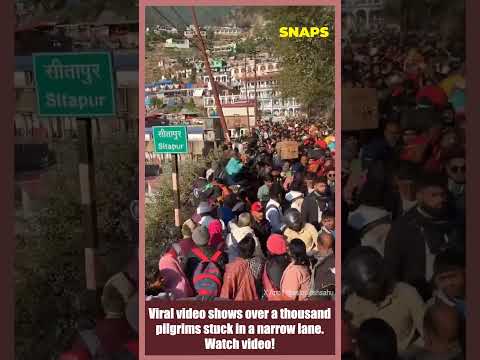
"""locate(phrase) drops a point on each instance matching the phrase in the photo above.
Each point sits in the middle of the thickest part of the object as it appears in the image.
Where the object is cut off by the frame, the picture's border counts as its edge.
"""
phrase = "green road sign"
(74, 84)
(170, 139)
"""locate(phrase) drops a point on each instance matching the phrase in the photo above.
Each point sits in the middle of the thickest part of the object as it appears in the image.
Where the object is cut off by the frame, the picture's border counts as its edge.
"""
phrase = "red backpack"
(207, 278)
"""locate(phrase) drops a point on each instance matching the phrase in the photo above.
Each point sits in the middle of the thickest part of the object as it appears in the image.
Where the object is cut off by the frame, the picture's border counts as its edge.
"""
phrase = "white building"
(190, 32)
(263, 69)
(364, 13)
(224, 49)
(270, 101)
(157, 29)
(183, 73)
(209, 102)
(183, 44)
(226, 30)
(223, 78)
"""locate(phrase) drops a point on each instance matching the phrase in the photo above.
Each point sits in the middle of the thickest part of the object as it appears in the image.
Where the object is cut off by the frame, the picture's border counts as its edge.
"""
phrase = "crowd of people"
(263, 227)
(113, 332)
(403, 200)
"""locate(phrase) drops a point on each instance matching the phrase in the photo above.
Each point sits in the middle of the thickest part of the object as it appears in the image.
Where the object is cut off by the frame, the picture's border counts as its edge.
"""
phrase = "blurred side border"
(473, 127)
(7, 14)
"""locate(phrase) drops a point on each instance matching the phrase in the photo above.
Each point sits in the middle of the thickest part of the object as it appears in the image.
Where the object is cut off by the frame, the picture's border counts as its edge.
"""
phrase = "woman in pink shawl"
(171, 266)
(215, 229)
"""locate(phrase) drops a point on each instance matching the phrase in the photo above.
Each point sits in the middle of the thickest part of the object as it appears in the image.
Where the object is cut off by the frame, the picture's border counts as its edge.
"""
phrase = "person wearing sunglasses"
(331, 179)
(455, 169)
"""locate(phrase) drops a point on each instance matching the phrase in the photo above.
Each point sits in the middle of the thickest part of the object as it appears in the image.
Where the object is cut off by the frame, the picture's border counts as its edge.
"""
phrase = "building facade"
(270, 101)
(182, 44)
(365, 14)
(227, 31)
(240, 71)
(190, 32)
(225, 48)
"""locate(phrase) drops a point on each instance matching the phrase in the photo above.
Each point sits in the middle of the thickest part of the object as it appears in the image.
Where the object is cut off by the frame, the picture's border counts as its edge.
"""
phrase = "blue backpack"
(207, 278)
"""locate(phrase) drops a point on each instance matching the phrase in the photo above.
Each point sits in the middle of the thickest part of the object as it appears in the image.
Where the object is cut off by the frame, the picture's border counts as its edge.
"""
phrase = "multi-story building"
(224, 49)
(181, 44)
(104, 32)
(223, 78)
(364, 13)
(226, 31)
(157, 29)
(209, 102)
(190, 32)
(183, 74)
(218, 65)
(240, 71)
(270, 101)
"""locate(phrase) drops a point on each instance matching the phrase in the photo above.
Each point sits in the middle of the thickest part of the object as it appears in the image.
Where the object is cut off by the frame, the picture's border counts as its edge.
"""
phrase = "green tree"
(190, 105)
(159, 220)
(246, 47)
(308, 63)
(49, 259)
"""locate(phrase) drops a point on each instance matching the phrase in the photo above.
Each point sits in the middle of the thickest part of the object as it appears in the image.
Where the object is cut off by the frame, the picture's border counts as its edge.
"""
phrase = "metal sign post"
(172, 140)
(86, 170)
(79, 85)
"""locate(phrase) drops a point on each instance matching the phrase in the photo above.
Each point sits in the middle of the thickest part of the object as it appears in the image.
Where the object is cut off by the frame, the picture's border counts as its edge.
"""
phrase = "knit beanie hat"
(187, 228)
(200, 236)
(204, 208)
(276, 244)
(244, 219)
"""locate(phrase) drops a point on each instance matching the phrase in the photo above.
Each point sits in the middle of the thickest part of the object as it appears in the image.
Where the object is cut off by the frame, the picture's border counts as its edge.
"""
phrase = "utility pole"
(246, 97)
(210, 76)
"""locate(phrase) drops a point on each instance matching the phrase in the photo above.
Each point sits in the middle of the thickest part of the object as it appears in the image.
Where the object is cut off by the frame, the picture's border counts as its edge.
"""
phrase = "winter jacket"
(308, 234)
(274, 215)
(313, 206)
(238, 282)
(262, 231)
(323, 277)
(295, 282)
(275, 266)
(236, 235)
(412, 244)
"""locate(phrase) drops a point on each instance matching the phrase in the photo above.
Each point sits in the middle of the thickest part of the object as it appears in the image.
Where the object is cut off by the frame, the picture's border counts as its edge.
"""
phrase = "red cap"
(256, 207)
(75, 355)
(276, 244)
(436, 94)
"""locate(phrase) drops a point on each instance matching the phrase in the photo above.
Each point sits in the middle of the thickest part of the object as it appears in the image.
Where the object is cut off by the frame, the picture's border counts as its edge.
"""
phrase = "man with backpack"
(205, 265)
(273, 209)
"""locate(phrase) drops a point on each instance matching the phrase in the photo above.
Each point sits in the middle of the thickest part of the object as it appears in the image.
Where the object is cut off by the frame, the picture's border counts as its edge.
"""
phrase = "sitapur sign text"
(170, 139)
(74, 84)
